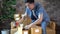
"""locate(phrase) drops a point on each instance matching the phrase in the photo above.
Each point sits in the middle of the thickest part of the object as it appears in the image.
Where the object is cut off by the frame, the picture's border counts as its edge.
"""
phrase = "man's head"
(30, 4)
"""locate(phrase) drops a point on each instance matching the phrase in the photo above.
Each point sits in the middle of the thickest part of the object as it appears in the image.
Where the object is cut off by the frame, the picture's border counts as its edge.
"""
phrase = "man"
(37, 13)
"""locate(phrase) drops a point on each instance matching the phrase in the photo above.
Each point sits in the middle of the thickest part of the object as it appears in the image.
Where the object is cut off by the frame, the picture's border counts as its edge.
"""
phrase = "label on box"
(25, 32)
(37, 30)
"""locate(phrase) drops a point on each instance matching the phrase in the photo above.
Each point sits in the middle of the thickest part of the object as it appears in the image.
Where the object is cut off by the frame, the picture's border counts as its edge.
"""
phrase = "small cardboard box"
(25, 32)
(36, 30)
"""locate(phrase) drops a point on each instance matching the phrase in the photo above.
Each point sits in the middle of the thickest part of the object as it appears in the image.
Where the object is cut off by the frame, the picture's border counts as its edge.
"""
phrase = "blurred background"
(9, 7)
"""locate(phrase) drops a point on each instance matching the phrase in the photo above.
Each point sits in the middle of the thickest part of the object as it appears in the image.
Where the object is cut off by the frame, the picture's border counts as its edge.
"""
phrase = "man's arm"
(38, 21)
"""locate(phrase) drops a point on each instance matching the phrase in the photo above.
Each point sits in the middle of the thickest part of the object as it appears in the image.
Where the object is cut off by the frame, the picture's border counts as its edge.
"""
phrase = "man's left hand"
(27, 26)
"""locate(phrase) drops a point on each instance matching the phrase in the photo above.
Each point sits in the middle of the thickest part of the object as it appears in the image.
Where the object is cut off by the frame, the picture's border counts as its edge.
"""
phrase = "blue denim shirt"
(38, 10)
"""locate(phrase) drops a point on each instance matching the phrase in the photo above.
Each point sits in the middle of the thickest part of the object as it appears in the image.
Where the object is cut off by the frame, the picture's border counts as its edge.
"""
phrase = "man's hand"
(27, 26)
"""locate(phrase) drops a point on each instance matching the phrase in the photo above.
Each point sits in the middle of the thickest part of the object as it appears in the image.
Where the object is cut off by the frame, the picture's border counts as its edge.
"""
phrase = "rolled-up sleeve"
(45, 15)
(27, 11)
(40, 11)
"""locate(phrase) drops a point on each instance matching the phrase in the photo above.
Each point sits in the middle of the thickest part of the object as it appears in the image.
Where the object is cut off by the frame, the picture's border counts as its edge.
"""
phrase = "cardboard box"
(50, 31)
(36, 30)
(25, 32)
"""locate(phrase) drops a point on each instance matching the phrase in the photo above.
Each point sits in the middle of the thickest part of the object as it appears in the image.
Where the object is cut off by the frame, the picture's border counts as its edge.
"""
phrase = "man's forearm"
(38, 21)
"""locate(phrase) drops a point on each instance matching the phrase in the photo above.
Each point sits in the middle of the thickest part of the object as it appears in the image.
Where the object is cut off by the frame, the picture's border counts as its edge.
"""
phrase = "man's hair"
(29, 1)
